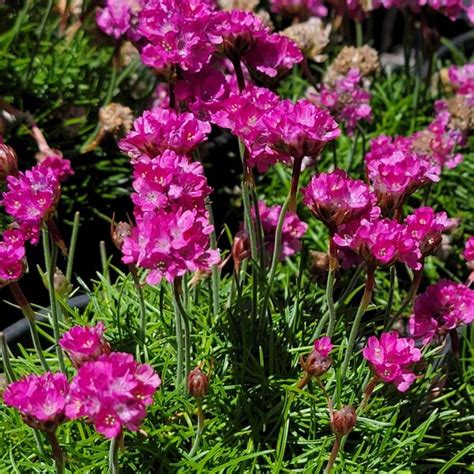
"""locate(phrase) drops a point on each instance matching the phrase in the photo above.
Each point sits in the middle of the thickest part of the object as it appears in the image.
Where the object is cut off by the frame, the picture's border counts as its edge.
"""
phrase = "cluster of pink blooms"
(118, 18)
(441, 308)
(172, 229)
(390, 357)
(347, 100)
(462, 79)
(469, 250)
(293, 230)
(110, 389)
(301, 9)
(318, 361)
(12, 256)
(41, 400)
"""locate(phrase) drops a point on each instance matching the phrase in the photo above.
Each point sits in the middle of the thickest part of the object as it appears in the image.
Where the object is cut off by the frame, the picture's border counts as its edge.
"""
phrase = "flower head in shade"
(396, 172)
(31, 198)
(381, 241)
(390, 357)
(271, 57)
(170, 243)
(318, 361)
(299, 129)
(117, 18)
(293, 229)
(302, 9)
(161, 129)
(425, 226)
(469, 250)
(442, 307)
(169, 180)
(12, 256)
(347, 100)
(175, 34)
(84, 343)
(40, 399)
(112, 392)
(336, 199)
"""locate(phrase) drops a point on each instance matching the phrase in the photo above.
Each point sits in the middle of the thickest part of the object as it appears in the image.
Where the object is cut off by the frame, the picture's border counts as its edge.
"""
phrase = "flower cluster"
(84, 344)
(390, 357)
(12, 256)
(346, 99)
(118, 17)
(462, 79)
(293, 229)
(469, 250)
(301, 9)
(441, 308)
(112, 392)
(41, 400)
(396, 171)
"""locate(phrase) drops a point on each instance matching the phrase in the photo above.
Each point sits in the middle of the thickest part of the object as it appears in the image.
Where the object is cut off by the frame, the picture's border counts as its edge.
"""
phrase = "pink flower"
(40, 399)
(31, 198)
(299, 129)
(117, 17)
(469, 250)
(441, 308)
(293, 230)
(323, 346)
(302, 9)
(176, 34)
(112, 392)
(425, 227)
(169, 244)
(169, 180)
(271, 56)
(84, 343)
(347, 100)
(336, 199)
(54, 160)
(381, 241)
(462, 78)
(161, 129)
(12, 256)
(396, 172)
(391, 357)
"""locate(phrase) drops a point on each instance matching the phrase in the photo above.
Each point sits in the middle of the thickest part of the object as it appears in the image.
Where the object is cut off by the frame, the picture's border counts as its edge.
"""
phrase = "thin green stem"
(113, 455)
(333, 455)
(391, 293)
(359, 34)
(7, 366)
(30, 316)
(179, 345)
(200, 427)
(330, 287)
(141, 300)
(215, 273)
(72, 246)
(185, 319)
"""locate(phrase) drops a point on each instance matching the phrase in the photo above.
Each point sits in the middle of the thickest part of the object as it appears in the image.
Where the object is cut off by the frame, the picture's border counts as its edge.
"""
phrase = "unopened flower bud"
(343, 420)
(240, 247)
(61, 285)
(8, 161)
(198, 383)
(315, 364)
(119, 232)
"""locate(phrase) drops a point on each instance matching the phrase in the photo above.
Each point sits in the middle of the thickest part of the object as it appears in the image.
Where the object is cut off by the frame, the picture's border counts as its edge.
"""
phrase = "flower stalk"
(57, 451)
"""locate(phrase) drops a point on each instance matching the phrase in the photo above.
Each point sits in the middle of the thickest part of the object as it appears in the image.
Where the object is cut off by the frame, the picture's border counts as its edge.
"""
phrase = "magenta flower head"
(31, 198)
(12, 256)
(301, 9)
(396, 172)
(293, 230)
(462, 78)
(337, 199)
(425, 226)
(118, 17)
(380, 241)
(299, 129)
(164, 129)
(390, 357)
(54, 160)
(318, 361)
(112, 393)
(84, 343)
(441, 308)
(469, 250)
(41, 399)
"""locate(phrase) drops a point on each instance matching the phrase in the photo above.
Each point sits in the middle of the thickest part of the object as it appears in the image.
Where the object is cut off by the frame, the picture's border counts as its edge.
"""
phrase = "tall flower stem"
(368, 392)
(200, 427)
(179, 344)
(7, 367)
(30, 316)
(51, 255)
(141, 299)
(330, 287)
(333, 455)
(364, 303)
(181, 314)
(57, 451)
(391, 293)
(295, 178)
(239, 73)
(215, 273)
(113, 455)
(72, 246)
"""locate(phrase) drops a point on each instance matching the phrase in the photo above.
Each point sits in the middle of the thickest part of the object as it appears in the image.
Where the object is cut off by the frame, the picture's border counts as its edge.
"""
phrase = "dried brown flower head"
(462, 115)
(115, 118)
(247, 5)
